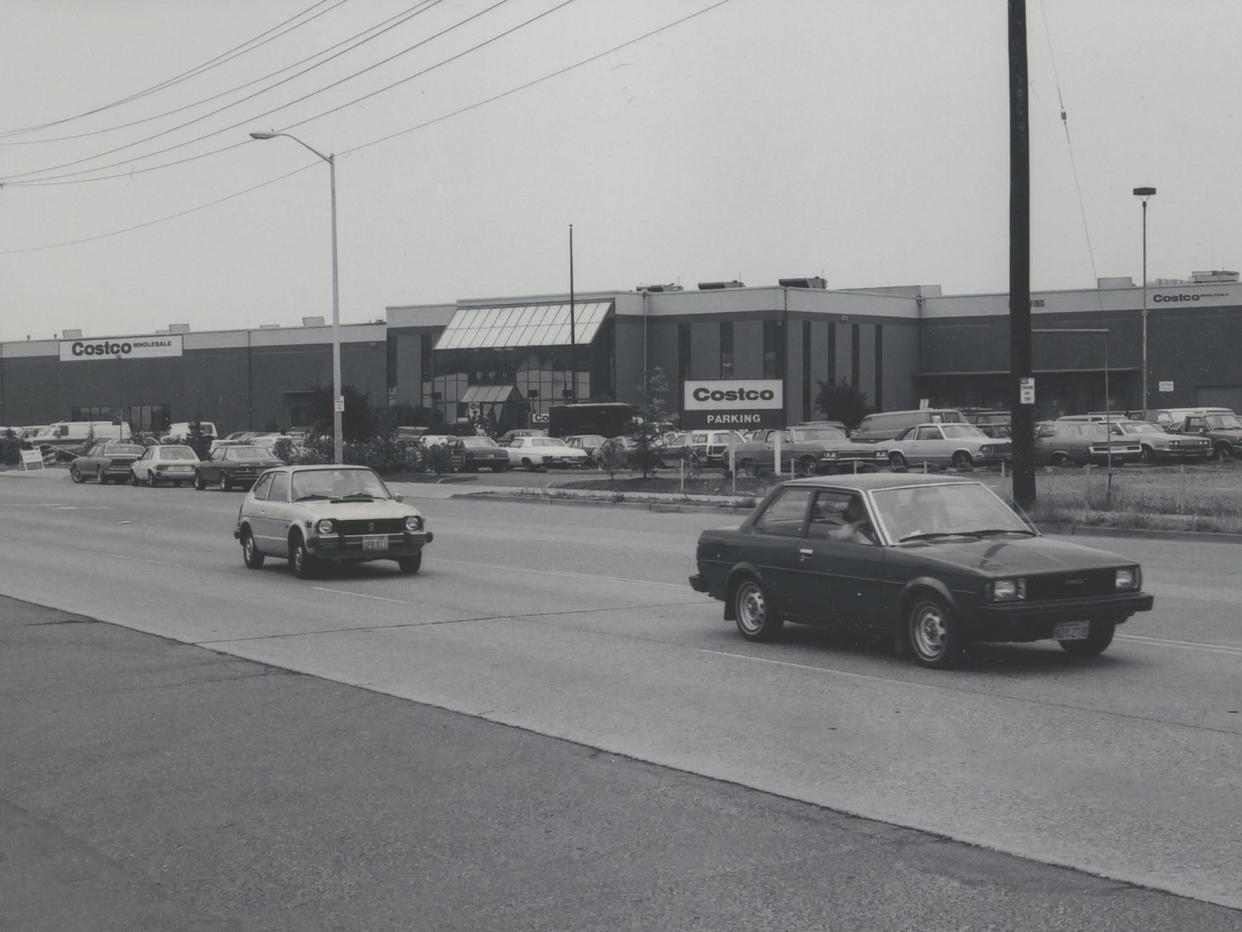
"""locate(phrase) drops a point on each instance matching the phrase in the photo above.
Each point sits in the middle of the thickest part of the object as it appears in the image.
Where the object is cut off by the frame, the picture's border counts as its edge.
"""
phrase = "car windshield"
(177, 453)
(478, 442)
(248, 453)
(113, 449)
(1223, 422)
(337, 483)
(1139, 427)
(925, 511)
(547, 442)
(962, 430)
(822, 434)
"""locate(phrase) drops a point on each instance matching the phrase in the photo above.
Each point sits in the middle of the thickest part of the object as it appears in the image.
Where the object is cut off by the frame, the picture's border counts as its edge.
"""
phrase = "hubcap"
(298, 556)
(929, 632)
(751, 610)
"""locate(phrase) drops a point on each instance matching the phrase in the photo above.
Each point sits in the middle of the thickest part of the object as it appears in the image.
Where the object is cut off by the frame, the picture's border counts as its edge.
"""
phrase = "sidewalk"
(51, 472)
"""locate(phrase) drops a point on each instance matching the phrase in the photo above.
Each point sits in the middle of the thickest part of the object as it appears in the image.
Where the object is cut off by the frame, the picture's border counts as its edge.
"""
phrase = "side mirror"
(398, 497)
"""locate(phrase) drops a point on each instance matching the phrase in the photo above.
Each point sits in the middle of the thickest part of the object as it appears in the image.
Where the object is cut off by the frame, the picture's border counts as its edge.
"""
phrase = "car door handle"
(806, 551)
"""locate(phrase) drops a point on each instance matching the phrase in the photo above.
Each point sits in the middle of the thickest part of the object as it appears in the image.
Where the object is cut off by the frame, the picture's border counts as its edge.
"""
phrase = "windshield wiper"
(993, 531)
(931, 535)
(355, 496)
(307, 498)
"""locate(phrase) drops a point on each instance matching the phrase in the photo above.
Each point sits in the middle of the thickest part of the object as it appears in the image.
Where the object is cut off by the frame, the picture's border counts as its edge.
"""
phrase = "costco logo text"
(101, 349)
(733, 394)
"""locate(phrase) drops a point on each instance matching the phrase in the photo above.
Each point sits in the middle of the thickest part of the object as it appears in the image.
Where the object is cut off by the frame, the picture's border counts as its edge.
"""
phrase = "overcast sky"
(865, 140)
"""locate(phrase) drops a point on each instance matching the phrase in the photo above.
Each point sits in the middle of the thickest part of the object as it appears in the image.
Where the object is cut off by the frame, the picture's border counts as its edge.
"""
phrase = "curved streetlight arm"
(326, 158)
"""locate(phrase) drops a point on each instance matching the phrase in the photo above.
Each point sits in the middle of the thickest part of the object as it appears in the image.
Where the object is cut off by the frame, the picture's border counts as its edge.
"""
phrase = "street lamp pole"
(1144, 193)
(338, 399)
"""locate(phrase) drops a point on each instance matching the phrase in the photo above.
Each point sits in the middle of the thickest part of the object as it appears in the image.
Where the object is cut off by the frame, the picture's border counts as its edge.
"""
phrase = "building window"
(149, 418)
(879, 367)
(773, 349)
(392, 361)
(425, 345)
(91, 413)
(832, 353)
(855, 349)
(806, 370)
(726, 349)
(683, 352)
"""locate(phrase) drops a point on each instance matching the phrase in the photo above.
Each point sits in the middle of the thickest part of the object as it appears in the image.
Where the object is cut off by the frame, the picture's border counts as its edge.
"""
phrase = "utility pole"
(1022, 415)
(573, 337)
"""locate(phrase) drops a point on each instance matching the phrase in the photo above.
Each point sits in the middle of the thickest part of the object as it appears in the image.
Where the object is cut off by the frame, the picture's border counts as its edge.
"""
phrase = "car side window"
(840, 516)
(785, 514)
(927, 433)
(278, 491)
(262, 486)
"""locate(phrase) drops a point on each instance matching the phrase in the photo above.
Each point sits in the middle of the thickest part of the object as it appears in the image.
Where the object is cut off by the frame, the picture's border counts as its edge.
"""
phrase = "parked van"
(181, 431)
(888, 424)
(76, 433)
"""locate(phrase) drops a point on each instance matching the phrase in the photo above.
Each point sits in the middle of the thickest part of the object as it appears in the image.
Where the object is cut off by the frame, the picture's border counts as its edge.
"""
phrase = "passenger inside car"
(841, 516)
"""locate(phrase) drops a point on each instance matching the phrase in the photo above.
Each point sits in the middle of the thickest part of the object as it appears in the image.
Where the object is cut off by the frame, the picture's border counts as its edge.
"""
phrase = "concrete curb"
(672, 505)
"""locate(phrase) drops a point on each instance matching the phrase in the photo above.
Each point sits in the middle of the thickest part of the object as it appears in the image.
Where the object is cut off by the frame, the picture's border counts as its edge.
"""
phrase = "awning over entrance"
(522, 325)
(490, 394)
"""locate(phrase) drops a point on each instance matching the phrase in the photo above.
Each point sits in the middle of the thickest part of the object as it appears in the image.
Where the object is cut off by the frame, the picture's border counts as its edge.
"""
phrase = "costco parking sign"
(743, 403)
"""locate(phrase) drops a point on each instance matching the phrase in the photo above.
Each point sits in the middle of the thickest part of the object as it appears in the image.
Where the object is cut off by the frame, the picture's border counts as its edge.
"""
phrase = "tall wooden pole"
(573, 337)
(1020, 367)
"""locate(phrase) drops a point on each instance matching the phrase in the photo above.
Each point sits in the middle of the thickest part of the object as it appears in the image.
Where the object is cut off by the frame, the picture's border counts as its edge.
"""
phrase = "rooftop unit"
(178, 328)
(71, 334)
(716, 286)
(655, 288)
(1216, 275)
(815, 281)
(312, 321)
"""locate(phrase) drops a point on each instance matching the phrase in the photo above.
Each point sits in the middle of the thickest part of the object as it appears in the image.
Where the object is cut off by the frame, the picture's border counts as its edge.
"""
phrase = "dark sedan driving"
(233, 466)
(934, 562)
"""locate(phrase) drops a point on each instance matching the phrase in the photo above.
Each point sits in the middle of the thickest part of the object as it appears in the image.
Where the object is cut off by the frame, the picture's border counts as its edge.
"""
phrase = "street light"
(338, 400)
(1144, 193)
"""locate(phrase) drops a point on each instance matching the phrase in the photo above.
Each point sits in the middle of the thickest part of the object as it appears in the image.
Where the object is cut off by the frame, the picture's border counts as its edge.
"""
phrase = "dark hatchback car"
(233, 466)
(471, 454)
(935, 562)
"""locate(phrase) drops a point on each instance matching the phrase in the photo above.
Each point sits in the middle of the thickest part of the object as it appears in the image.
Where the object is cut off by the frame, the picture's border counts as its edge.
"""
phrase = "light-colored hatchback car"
(312, 515)
(169, 462)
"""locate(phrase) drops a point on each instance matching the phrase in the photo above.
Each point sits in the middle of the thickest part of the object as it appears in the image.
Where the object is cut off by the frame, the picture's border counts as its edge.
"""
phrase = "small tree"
(842, 402)
(611, 456)
(646, 428)
(360, 420)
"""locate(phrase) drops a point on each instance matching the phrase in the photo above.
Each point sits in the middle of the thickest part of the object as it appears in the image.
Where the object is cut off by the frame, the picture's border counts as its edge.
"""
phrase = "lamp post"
(1144, 193)
(338, 400)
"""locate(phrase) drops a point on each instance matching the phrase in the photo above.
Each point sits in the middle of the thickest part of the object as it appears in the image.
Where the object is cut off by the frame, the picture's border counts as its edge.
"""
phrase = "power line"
(237, 50)
(374, 142)
(16, 178)
(383, 26)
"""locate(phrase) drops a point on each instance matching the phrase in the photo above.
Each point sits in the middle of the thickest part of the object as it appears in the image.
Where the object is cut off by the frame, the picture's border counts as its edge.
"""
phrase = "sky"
(863, 140)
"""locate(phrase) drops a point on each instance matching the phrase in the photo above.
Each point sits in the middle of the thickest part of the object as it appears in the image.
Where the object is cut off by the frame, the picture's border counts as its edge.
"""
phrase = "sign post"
(1026, 390)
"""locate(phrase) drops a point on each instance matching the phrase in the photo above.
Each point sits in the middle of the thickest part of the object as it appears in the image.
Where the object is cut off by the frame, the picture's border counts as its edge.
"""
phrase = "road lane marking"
(566, 574)
(1186, 645)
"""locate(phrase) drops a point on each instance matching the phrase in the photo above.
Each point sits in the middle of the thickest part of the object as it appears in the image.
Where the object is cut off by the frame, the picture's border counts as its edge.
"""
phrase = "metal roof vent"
(312, 321)
(71, 334)
(657, 288)
(269, 326)
(816, 281)
(715, 286)
(178, 328)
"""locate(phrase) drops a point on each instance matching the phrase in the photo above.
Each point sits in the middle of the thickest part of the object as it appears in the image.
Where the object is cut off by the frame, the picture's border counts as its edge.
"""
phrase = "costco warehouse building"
(514, 356)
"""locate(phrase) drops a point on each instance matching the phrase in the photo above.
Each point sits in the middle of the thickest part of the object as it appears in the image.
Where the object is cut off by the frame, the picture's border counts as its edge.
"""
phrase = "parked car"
(1160, 446)
(180, 430)
(711, 447)
(839, 425)
(544, 453)
(105, 462)
(958, 445)
(935, 563)
(1222, 431)
(886, 425)
(312, 515)
(805, 450)
(168, 462)
(1068, 442)
(589, 442)
(993, 423)
(231, 466)
(510, 435)
(1167, 417)
(474, 453)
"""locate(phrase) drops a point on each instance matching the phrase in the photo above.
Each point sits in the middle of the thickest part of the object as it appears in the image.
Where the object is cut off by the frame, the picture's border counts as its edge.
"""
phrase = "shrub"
(10, 449)
(611, 456)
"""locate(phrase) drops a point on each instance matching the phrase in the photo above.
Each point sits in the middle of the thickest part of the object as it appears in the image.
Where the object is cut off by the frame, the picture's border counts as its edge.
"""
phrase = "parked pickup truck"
(1223, 431)
(807, 451)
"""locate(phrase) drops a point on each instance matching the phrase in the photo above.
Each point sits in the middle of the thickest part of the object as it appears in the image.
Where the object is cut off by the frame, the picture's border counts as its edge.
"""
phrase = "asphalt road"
(576, 622)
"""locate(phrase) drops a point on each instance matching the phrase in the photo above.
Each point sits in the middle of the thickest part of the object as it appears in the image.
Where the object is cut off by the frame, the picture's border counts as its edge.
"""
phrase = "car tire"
(896, 461)
(100, 476)
(224, 484)
(300, 558)
(250, 553)
(133, 478)
(932, 632)
(199, 484)
(806, 466)
(962, 460)
(755, 620)
(410, 565)
(748, 468)
(1223, 452)
(1100, 636)
(76, 474)
(1148, 455)
(151, 483)
(1060, 460)
(528, 465)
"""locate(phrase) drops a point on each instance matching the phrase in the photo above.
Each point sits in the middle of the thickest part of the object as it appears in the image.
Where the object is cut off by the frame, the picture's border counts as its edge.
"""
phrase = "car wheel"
(962, 460)
(806, 466)
(300, 558)
(1060, 460)
(133, 477)
(896, 461)
(748, 468)
(151, 480)
(75, 474)
(250, 553)
(100, 476)
(755, 621)
(1099, 637)
(1148, 455)
(410, 565)
(528, 465)
(933, 633)
(1224, 452)
(199, 484)
(224, 483)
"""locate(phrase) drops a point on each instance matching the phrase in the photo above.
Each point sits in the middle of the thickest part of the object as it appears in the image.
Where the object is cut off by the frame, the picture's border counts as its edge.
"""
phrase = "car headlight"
(984, 450)
(1008, 590)
(324, 526)
(1128, 579)
(830, 454)
(413, 523)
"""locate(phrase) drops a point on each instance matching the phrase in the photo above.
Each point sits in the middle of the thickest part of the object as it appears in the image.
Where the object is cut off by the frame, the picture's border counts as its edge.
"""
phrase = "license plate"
(1072, 631)
(380, 542)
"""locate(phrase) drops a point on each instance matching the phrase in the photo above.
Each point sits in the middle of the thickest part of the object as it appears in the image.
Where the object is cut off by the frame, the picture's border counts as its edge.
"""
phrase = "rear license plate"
(1072, 631)
(380, 542)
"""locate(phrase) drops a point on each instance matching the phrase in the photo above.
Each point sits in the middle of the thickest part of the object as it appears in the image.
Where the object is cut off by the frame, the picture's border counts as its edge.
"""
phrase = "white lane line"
(525, 571)
(1185, 645)
(57, 506)
(363, 595)
(833, 670)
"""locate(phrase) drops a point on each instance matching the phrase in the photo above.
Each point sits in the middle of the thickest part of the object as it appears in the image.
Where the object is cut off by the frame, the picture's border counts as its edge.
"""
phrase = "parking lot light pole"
(1144, 193)
(338, 399)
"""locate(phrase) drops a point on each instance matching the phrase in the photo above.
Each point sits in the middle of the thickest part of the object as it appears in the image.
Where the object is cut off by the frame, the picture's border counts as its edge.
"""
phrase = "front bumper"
(350, 547)
(1033, 621)
(698, 583)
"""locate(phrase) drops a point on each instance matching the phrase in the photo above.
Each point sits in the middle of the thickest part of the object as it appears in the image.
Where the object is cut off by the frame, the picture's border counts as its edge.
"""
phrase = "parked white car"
(165, 463)
(545, 453)
(957, 445)
(181, 431)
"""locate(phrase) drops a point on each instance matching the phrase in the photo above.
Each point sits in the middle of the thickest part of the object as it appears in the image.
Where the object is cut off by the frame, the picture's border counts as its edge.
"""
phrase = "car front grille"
(1070, 585)
(378, 526)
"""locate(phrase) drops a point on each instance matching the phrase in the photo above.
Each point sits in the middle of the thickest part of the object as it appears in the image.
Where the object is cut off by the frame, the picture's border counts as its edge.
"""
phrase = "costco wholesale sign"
(120, 348)
(727, 403)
